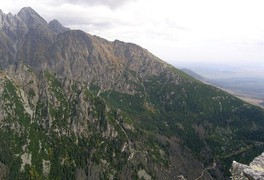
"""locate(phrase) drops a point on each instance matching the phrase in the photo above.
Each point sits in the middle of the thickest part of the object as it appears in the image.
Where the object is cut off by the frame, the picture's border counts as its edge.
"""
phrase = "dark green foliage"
(225, 121)
(14, 103)
(31, 93)
(128, 103)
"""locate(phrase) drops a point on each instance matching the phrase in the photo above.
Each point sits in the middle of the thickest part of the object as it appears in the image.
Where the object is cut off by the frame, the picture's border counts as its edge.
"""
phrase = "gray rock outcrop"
(57, 27)
(255, 170)
(4, 171)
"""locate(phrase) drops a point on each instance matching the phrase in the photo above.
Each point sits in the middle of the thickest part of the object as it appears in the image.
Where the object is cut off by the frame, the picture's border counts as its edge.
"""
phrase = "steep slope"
(78, 106)
(24, 38)
(62, 128)
(57, 27)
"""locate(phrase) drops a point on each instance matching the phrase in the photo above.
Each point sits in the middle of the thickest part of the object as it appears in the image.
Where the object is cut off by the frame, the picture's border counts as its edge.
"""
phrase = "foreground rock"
(254, 171)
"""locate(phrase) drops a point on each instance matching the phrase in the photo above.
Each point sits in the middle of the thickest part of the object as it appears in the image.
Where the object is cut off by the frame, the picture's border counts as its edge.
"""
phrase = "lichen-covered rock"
(4, 171)
(255, 170)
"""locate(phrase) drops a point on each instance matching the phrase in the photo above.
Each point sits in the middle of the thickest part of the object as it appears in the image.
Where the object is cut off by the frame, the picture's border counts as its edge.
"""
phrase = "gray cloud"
(87, 23)
(113, 4)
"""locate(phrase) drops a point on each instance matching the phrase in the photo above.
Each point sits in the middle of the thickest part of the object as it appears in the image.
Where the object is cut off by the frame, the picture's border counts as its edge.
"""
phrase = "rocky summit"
(76, 106)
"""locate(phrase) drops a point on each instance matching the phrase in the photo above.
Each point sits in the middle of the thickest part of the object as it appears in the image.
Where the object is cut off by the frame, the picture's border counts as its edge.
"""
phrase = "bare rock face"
(254, 171)
(25, 37)
(30, 17)
(56, 26)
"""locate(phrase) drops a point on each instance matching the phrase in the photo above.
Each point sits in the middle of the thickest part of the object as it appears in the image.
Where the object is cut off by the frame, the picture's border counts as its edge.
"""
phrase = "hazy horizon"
(222, 71)
(179, 32)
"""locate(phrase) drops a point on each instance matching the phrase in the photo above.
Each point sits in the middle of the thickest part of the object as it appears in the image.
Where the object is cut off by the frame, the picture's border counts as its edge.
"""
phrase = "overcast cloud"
(178, 31)
(113, 4)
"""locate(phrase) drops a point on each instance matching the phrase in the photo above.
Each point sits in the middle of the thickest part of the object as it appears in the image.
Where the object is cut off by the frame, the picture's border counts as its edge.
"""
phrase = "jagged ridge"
(79, 106)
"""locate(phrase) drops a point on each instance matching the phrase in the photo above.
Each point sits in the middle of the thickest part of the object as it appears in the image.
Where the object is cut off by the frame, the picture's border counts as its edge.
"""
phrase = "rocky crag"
(255, 170)
(78, 106)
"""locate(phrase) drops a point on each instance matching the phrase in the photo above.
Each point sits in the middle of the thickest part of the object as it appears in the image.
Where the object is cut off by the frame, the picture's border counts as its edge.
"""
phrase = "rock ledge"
(254, 171)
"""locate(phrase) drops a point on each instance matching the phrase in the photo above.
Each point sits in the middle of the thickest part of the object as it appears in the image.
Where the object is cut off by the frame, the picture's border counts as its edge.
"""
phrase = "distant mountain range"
(76, 106)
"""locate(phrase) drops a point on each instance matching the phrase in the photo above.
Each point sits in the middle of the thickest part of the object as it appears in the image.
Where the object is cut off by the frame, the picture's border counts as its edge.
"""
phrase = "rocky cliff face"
(57, 27)
(78, 106)
(254, 171)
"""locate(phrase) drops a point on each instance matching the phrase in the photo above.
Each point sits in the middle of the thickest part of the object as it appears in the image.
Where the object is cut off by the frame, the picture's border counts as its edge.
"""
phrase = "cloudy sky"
(177, 31)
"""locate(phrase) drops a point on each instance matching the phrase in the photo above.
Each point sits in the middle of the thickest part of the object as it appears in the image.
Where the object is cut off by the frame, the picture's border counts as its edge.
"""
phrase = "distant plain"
(245, 82)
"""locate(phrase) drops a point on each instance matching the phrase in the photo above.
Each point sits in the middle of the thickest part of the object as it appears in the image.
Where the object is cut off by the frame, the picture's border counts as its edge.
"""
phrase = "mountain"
(57, 27)
(76, 106)
(193, 74)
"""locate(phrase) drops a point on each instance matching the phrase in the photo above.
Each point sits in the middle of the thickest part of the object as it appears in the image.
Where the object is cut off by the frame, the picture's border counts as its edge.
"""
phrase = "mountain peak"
(57, 27)
(6, 19)
(27, 10)
(30, 16)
